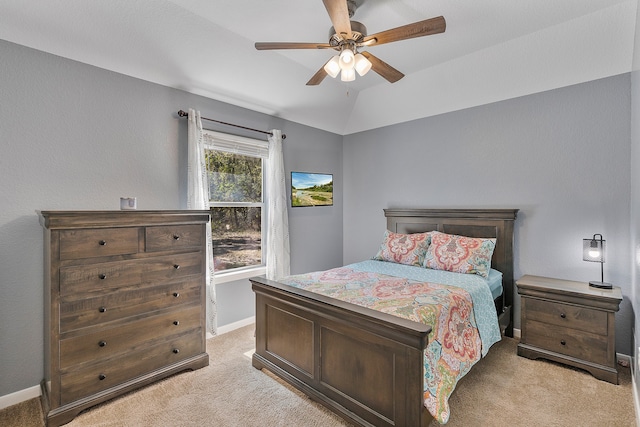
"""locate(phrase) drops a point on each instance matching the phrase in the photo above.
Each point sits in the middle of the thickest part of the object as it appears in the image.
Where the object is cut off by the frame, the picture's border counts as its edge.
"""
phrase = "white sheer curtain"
(278, 253)
(198, 198)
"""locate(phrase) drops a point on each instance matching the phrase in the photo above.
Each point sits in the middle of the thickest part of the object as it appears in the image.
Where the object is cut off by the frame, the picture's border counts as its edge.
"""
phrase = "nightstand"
(571, 323)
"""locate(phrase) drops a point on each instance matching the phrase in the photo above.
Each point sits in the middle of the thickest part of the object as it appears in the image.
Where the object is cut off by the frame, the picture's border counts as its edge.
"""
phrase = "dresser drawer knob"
(102, 309)
(563, 315)
(176, 294)
(176, 322)
(563, 342)
(102, 276)
(176, 351)
(102, 377)
(176, 237)
(102, 243)
(176, 266)
(102, 343)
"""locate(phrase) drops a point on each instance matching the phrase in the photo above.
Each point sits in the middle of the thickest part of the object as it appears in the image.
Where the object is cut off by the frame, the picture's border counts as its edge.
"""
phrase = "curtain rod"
(182, 113)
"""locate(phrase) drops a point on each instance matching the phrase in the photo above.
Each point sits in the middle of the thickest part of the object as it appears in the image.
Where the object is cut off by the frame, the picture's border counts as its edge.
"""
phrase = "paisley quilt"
(455, 344)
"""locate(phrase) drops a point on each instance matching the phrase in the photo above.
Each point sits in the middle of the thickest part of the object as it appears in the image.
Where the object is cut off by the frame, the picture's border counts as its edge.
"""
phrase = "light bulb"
(346, 59)
(594, 253)
(333, 66)
(362, 64)
(348, 75)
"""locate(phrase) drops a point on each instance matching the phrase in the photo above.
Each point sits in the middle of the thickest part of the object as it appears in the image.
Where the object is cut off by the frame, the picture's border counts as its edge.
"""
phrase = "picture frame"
(310, 189)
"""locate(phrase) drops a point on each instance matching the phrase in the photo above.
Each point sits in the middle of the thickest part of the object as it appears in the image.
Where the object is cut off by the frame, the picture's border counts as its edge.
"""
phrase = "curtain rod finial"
(182, 113)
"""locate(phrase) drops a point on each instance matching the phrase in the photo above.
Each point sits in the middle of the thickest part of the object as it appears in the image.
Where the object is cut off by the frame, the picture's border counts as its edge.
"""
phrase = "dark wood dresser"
(569, 322)
(124, 303)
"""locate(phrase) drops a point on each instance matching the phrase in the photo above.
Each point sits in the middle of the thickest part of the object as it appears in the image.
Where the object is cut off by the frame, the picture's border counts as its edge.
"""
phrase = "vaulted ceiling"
(491, 50)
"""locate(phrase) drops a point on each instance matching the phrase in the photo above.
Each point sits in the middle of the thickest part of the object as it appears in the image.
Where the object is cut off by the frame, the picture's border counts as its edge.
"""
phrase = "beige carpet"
(502, 390)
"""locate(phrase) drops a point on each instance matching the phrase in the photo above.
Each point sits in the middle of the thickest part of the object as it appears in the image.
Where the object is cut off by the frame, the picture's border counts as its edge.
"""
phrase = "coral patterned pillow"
(404, 248)
(460, 254)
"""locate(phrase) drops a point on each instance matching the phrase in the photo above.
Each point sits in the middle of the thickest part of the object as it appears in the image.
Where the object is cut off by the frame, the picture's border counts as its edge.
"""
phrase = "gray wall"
(79, 137)
(561, 157)
(634, 246)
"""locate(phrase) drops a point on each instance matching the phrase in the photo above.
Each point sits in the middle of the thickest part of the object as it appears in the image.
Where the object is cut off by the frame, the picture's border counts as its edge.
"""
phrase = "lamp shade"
(348, 75)
(333, 66)
(593, 249)
(346, 59)
(362, 64)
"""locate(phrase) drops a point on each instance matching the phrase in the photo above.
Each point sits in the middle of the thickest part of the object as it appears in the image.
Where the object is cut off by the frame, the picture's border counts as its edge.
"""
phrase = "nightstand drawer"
(579, 344)
(568, 316)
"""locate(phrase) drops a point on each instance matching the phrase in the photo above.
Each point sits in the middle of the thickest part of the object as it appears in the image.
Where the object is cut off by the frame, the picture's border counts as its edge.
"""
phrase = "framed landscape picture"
(311, 189)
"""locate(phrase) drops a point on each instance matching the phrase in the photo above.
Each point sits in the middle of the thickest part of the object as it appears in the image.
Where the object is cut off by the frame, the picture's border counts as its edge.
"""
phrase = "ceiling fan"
(348, 36)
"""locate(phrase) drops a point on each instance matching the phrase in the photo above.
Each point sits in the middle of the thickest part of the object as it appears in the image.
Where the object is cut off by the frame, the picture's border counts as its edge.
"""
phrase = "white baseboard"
(233, 326)
(19, 396)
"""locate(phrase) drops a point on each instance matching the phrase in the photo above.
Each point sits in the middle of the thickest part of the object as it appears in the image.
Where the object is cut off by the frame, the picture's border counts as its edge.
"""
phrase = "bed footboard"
(364, 365)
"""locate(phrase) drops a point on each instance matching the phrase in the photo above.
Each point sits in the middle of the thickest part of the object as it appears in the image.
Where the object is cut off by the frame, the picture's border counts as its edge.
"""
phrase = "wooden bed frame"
(365, 365)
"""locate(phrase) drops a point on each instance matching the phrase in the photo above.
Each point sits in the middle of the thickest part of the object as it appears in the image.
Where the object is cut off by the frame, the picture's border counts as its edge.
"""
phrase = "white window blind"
(235, 144)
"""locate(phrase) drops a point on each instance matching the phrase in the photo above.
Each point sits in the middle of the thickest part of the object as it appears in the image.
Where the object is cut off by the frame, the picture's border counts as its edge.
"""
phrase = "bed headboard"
(496, 223)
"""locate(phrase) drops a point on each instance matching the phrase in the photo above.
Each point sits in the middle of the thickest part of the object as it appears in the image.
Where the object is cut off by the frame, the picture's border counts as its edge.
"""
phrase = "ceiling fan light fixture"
(361, 64)
(333, 66)
(348, 75)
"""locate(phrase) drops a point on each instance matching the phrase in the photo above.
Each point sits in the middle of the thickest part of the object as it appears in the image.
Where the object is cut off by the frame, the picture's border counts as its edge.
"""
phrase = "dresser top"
(567, 287)
(119, 218)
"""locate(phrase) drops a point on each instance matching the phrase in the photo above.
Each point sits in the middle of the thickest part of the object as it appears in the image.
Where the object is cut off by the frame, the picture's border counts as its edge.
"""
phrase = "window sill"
(232, 276)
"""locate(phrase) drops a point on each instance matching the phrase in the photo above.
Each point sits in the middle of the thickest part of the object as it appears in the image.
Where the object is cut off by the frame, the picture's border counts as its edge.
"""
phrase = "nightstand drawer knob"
(102, 343)
(102, 276)
(102, 377)
(563, 315)
(102, 309)
(102, 243)
(176, 266)
(176, 237)
(176, 294)
(563, 342)
(176, 322)
(176, 351)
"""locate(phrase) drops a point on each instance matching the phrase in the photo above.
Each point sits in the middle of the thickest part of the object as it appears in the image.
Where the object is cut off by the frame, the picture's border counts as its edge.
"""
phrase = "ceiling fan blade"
(291, 45)
(409, 31)
(318, 77)
(382, 68)
(339, 14)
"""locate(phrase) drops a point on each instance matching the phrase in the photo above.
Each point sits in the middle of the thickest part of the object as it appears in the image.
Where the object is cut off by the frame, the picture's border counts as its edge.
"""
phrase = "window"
(235, 168)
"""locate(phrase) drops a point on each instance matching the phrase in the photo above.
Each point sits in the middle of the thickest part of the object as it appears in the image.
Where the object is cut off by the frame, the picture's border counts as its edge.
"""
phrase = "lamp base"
(601, 285)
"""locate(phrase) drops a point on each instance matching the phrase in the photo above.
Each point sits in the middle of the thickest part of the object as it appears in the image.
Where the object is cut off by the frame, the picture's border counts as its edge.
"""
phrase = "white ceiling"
(491, 50)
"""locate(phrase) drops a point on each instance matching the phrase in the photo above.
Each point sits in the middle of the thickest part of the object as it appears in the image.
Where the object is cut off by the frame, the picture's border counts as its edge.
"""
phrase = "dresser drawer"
(109, 343)
(167, 268)
(89, 243)
(92, 379)
(171, 237)
(82, 281)
(88, 312)
(79, 281)
(571, 342)
(569, 316)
